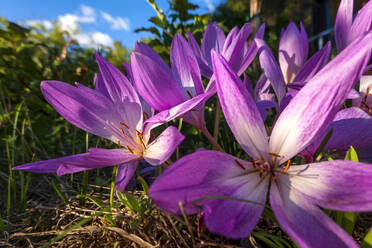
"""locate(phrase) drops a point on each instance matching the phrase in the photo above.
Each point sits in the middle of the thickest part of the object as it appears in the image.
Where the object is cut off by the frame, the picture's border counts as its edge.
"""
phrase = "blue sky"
(99, 21)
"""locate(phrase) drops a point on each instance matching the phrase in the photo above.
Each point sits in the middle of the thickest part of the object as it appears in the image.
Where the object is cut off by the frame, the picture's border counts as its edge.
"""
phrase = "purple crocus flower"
(233, 48)
(294, 192)
(293, 70)
(347, 27)
(174, 92)
(112, 111)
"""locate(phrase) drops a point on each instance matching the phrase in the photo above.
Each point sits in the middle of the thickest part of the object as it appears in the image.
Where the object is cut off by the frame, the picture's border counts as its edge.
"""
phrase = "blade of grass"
(60, 193)
(112, 190)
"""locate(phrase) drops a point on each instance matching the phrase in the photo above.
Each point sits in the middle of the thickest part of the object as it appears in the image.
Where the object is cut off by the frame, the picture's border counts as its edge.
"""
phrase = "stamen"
(131, 151)
(261, 173)
(274, 154)
(139, 134)
(253, 163)
(287, 166)
(122, 131)
(125, 125)
(189, 93)
(240, 164)
(274, 177)
(119, 143)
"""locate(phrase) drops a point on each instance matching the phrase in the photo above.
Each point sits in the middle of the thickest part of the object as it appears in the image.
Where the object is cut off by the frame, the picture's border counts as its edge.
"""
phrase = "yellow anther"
(131, 151)
(125, 125)
(274, 154)
(253, 163)
(119, 144)
(287, 166)
(240, 164)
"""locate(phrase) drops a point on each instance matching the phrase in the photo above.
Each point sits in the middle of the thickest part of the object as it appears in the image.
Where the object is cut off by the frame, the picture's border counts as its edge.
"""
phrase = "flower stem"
(211, 139)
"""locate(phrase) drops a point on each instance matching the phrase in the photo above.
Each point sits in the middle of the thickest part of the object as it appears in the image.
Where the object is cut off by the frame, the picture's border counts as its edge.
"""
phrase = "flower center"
(134, 142)
(268, 168)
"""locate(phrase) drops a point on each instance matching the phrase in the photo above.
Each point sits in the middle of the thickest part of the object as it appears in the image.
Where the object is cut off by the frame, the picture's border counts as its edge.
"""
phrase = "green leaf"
(144, 184)
(95, 200)
(367, 241)
(60, 193)
(352, 155)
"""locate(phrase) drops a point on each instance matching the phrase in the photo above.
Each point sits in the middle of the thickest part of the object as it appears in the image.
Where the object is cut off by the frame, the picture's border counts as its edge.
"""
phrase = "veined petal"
(312, 110)
(304, 222)
(155, 84)
(128, 70)
(90, 110)
(343, 23)
(240, 110)
(204, 68)
(212, 174)
(251, 51)
(185, 68)
(362, 23)
(163, 146)
(100, 158)
(351, 127)
(116, 84)
(146, 50)
(213, 38)
(74, 163)
(124, 174)
(175, 112)
(339, 185)
(235, 51)
(293, 49)
(271, 69)
(314, 64)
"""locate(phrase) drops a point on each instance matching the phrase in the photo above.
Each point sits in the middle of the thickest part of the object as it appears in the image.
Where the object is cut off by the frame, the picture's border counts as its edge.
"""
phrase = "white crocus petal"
(163, 146)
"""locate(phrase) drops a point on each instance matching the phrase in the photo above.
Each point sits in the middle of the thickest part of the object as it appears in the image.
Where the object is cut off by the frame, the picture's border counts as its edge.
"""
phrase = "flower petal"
(90, 110)
(155, 84)
(344, 19)
(362, 23)
(213, 38)
(210, 174)
(124, 174)
(312, 110)
(339, 184)
(271, 69)
(72, 164)
(239, 109)
(204, 68)
(304, 222)
(100, 158)
(116, 84)
(163, 146)
(293, 49)
(185, 68)
(314, 64)
(250, 54)
(175, 112)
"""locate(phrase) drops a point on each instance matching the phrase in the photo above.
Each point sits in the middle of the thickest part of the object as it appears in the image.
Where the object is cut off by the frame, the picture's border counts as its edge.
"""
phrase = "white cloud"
(47, 24)
(210, 6)
(93, 40)
(71, 23)
(117, 23)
